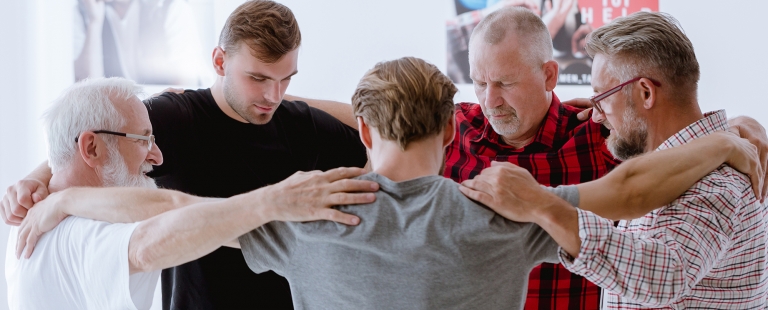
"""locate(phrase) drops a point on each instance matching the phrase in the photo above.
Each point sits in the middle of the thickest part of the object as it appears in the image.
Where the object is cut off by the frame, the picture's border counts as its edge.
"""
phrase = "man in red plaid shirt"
(705, 250)
(520, 120)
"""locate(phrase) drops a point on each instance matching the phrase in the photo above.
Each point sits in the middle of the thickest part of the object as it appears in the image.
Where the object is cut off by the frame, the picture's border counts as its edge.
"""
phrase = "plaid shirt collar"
(545, 135)
(712, 121)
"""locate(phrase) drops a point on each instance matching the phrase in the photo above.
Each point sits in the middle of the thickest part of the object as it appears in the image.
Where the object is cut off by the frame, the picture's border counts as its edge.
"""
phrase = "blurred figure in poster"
(149, 41)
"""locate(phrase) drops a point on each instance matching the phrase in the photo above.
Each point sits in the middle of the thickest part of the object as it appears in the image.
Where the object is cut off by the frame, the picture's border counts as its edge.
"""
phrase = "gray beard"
(115, 173)
(633, 143)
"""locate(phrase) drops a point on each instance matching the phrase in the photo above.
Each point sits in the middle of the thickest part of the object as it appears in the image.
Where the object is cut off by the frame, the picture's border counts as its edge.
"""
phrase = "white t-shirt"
(81, 264)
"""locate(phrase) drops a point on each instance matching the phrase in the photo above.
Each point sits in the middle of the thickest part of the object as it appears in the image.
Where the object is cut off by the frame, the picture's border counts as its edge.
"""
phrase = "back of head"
(267, 27)
(534, 40)
(406, 100)
(87, 105)
(650, 45)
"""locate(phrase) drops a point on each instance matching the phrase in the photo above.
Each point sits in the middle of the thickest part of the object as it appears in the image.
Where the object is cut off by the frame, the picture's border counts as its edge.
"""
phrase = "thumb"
(40, 194)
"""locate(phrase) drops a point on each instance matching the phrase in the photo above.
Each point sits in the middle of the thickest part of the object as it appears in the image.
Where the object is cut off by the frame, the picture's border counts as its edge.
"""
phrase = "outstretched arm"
(182, 235)
(652, 180)
(136, 204)
(341, 111)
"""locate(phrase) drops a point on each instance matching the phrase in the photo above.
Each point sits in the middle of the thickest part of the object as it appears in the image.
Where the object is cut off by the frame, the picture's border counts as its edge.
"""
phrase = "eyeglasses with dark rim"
(599, 97)
(150, 139)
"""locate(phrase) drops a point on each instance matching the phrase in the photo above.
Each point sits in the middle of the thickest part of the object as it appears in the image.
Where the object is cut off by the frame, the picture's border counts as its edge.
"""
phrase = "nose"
(155, 156)
(272, 93)
(597, 117)
(492, 97)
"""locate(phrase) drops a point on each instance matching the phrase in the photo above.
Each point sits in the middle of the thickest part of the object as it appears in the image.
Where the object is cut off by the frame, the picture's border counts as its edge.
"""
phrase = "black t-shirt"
(207, 153)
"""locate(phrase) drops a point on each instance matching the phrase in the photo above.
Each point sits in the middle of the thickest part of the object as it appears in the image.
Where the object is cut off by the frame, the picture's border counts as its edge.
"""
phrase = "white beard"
(115, 173)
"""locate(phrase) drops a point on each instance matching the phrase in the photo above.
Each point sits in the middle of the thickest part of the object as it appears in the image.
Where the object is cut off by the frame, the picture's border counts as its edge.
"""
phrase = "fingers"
(338, 216)
(584, 115)
(342, 173)
(475, 195)
(349, 199)
(8, 216)
(764, 165)
(348, 185)
(31, 242)
(583, 103)
(21, 239)
(40, 193)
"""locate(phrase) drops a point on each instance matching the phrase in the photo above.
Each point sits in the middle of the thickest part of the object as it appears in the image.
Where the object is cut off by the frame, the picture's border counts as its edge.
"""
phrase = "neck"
(667, 122)
(421, 158)
(73, 177)
(217, 91)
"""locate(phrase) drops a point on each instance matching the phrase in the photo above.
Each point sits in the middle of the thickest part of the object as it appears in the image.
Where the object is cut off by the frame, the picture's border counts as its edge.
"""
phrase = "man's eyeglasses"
(150, 139)
(599, 97)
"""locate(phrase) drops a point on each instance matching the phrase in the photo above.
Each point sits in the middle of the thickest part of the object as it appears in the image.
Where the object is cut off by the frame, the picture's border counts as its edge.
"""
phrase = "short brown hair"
(406, 100)
(267, 27)
(651, 45)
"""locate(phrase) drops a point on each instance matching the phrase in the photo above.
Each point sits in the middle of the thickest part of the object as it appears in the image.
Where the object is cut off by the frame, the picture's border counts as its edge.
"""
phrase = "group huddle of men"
(509, 203)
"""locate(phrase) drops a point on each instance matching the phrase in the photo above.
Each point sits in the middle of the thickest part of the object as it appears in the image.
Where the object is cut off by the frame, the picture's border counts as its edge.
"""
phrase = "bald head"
(520, 24)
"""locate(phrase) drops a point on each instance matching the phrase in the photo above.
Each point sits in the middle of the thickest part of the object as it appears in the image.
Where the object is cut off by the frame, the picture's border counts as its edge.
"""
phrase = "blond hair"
(406, 100)
(650, 45)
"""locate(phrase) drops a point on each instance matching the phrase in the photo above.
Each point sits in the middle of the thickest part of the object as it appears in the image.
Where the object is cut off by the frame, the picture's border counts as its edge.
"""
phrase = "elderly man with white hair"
(99, 135)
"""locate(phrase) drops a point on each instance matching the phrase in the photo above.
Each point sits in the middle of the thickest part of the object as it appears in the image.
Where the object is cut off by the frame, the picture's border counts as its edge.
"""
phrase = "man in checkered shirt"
(707, 249)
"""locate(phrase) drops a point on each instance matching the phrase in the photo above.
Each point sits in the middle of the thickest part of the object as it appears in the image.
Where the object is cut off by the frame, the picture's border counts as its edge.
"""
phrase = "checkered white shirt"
(705, 250)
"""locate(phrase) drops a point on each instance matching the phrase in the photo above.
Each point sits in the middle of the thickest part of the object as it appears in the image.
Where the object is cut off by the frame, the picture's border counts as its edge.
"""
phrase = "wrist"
(549, 213)
(261, 205)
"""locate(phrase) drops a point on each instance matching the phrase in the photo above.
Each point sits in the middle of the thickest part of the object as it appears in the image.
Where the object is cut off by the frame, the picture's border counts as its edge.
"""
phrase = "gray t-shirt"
(421, 245)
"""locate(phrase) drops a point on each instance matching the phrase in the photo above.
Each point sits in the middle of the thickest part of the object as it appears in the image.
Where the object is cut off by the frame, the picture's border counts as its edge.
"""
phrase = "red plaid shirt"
(565, 151)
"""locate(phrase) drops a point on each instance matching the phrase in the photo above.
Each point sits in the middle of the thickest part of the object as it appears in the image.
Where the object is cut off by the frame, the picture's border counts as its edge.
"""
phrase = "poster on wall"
(569, 23)
(149, 41)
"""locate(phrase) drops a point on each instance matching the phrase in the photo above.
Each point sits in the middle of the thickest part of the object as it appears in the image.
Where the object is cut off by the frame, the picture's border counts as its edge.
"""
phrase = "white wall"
(341, 40)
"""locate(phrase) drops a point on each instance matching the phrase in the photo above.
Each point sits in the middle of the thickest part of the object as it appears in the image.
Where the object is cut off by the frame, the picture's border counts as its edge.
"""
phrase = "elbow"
(141, 261)
(141, 256)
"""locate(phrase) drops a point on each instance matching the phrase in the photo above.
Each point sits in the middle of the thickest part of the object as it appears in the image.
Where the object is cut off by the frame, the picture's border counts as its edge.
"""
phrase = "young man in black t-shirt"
(235, 137)
(240, 135)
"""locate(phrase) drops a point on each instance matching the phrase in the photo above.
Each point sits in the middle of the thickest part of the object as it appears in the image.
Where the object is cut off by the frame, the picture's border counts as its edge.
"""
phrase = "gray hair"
(535, 42)
(650, 45)
(85, 106)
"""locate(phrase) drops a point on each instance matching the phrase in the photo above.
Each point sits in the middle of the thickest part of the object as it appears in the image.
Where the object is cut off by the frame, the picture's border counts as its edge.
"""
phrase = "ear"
(449, 132)
(647, 93)
(365, 133)
(218, 60)
(92, 149)
(551, 70)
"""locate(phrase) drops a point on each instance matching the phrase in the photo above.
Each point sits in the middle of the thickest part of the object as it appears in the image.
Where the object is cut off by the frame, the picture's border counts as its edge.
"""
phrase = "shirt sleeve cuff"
(594, 231)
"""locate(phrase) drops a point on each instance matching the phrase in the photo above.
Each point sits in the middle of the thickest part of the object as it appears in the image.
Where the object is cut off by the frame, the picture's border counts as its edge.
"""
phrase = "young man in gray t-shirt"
(421, 245)
(424, 245)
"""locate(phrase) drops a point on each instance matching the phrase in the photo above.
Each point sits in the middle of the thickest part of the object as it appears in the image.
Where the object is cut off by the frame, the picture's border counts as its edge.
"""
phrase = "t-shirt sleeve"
(339, 145)
(569, 193)
(539, 244)
(171, 124)
(99, 256)
(269, 247)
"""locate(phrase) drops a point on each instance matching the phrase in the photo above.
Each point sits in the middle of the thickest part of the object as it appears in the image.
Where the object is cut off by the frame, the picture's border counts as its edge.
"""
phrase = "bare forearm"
(561, 221)
(650, 181)
(42, 173)
(341, 111)
(122, 204)
(182, 235)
